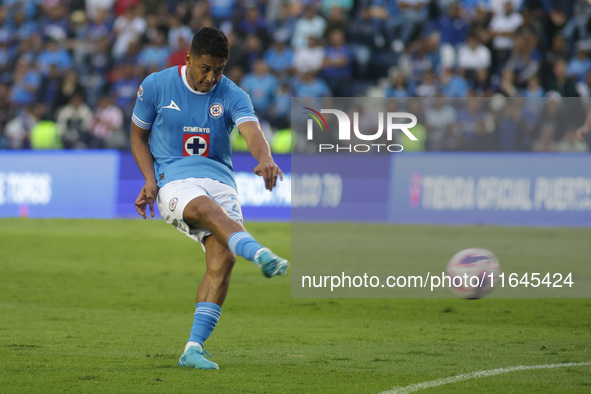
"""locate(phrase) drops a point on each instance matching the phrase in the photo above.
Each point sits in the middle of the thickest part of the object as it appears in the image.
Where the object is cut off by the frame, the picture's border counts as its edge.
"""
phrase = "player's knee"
(199, 210)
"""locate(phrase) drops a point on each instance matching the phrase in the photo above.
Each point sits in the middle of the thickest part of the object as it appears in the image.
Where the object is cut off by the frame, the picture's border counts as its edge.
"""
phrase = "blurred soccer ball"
(472, 272)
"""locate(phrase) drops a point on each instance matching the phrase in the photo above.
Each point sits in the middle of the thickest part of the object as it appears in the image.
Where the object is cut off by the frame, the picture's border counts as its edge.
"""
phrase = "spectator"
(254, 51)
(260, 85)
(473, 56)
(558, 50)
(429, 85)
(155, 54)
(361, 41)
(507, 85)
(221, 10)
(100, 66)
(411, 15)
(240, 56)
(69, 87)
(416, 62)
(337, 66)
(26, 83)
(502, 28)
(178, 34)
(7, 57)
(177, 57)
(453, 27)
(509, 125)
(580, 65)
(439, 118)
(453, 83)
(584, 90)
(533, 88)
(308, 85)
(74, 122)
(128, 27)
(284, 23)
(18, 129)
(107, 125)
(54, 54)
(309, 25)
(94, 7)
(466, 124)
(49, 89)
(524, 61)
(398, 85)
(336, 20)
(124, 89)
(281, 107)
(253, 23)
(23, 28)
(345, 6)
(280, 57)
(554, 116)
(311, 57)
(54, 24)
(480, 86)
(560, 82)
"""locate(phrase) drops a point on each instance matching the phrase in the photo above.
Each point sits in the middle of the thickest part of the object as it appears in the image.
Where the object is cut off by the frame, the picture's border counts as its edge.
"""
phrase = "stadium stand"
(79, 63)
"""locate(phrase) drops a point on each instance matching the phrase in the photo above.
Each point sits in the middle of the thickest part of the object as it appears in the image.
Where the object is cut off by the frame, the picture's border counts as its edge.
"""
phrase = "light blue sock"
(206, 317)
(244, 245)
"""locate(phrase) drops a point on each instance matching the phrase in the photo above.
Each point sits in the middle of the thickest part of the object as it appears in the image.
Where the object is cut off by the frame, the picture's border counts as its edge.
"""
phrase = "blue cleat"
(194, 357)
(270, 263)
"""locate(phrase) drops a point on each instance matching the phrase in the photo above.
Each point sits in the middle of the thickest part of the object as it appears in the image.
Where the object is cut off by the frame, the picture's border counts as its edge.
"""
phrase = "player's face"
(204, 71)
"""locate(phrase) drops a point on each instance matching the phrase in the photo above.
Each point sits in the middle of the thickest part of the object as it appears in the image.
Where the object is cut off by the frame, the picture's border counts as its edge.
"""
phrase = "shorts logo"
(216, 110)
(172, 204)
(195, 144)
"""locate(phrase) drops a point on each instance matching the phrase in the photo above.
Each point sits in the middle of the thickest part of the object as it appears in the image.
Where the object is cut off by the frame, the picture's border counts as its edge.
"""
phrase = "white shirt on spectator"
(498, 6)
(308, 59)
(502, 23)
(107, 121)
(305, 28)
(476, 58)
(127, 31)
(93, 5)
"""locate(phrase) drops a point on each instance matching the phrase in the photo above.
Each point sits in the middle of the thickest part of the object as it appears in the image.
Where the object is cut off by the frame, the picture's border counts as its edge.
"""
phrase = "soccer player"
(180, 139)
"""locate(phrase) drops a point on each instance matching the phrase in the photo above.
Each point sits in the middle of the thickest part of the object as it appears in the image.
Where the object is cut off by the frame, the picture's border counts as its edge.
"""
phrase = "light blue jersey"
(190, 135)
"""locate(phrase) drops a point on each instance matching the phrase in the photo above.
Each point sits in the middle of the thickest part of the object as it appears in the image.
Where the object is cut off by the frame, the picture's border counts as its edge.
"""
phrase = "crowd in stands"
(76, 65)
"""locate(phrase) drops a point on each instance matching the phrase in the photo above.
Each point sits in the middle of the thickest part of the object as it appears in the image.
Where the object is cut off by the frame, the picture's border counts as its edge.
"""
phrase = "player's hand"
(147, 197)
(581, 133)
(269, 171)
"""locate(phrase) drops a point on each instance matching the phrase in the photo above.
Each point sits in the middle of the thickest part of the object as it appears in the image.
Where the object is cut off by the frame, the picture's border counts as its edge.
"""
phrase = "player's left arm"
(259, 149)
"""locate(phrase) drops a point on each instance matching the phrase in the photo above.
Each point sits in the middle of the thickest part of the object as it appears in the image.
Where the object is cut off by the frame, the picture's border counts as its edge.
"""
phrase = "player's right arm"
(144, 113)
(143, 157)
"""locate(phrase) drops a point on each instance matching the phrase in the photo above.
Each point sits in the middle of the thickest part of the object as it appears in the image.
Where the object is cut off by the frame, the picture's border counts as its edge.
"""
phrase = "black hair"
(210, 41)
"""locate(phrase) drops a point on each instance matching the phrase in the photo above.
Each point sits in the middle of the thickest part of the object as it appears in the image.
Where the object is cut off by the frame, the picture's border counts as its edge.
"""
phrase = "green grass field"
(106, 306)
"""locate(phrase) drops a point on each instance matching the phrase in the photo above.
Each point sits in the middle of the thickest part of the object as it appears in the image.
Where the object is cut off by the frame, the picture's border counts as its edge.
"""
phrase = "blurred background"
(69, 70)
(491, 76)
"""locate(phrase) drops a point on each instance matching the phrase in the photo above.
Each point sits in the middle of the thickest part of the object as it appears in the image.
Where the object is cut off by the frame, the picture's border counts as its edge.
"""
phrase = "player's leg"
(216, 281)
(210, 298)
(204, 212)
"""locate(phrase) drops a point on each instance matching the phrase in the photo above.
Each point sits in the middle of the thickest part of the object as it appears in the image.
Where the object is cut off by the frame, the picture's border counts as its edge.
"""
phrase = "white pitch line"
(475, 375)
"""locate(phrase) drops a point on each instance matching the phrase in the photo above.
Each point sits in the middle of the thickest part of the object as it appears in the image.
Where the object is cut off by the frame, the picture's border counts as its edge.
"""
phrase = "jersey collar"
(184, 76)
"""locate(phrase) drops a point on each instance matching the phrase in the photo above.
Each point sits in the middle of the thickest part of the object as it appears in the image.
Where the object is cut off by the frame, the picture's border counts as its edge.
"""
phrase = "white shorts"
(174, 197)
